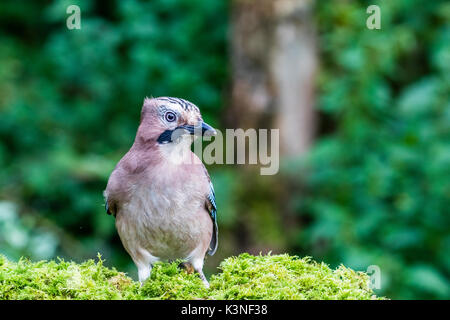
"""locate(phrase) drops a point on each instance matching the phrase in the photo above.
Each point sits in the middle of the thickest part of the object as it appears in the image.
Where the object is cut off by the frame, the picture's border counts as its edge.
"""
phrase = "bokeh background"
(364, 117)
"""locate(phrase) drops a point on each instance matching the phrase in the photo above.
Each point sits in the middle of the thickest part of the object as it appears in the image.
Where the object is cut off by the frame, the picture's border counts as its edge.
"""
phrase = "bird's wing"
(212, 210)
(110, 208)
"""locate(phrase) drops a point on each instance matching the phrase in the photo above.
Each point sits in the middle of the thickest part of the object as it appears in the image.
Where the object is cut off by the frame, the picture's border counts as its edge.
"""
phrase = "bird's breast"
(164, 217)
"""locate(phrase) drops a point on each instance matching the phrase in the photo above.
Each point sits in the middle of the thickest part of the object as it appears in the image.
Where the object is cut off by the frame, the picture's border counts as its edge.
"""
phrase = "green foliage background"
(377, 189)
(70, 105)
(374, 189)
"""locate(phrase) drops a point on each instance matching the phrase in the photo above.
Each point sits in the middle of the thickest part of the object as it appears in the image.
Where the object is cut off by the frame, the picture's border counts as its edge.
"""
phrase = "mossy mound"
(242, 277)
(287, 277)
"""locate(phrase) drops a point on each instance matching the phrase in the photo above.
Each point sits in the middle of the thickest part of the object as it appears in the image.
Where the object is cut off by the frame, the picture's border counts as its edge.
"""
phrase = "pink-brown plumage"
(159, 192)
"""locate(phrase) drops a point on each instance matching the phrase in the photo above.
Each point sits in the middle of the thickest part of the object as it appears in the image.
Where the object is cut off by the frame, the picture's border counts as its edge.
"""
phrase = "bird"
(161, 194)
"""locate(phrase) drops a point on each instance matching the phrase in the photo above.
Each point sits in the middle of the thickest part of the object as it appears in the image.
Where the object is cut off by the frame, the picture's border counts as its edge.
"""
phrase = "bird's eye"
(170, 116)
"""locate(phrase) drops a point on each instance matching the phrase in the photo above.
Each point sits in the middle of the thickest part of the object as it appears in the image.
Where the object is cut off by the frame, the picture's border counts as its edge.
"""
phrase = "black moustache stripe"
(166, 136)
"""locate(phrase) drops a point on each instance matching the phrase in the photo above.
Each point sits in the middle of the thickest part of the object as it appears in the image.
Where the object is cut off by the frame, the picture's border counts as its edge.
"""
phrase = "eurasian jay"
(160, 192)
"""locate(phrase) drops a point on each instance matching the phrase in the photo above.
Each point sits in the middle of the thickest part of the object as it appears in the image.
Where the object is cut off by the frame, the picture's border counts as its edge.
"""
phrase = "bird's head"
(168, 120)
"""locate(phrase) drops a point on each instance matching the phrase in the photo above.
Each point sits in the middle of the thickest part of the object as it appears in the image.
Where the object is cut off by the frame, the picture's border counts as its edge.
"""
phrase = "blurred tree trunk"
(274, 62)
(273, 52)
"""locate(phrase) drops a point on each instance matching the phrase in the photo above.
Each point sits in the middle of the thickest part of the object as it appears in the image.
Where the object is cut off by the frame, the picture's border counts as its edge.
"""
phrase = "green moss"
(287, 277)
(242, 277)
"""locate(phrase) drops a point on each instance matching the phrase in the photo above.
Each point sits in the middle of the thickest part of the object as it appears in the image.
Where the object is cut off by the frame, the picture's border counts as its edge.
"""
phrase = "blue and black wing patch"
(212, 209)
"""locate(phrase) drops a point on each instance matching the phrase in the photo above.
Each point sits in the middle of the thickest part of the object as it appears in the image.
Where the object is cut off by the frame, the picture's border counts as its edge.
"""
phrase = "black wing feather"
(212, 209)
(110, 211)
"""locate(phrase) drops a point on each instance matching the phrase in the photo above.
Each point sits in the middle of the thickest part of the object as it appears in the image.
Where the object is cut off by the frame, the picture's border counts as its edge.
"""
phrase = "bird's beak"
(202, 129)
(207, 130)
